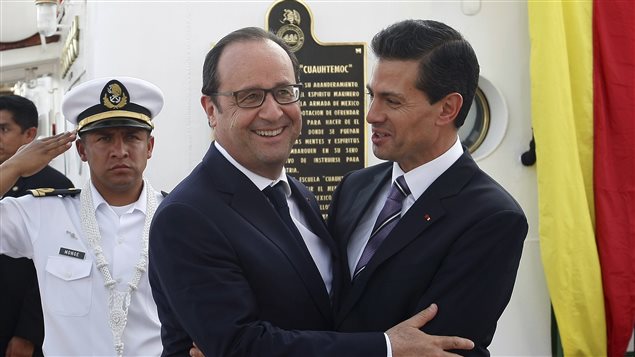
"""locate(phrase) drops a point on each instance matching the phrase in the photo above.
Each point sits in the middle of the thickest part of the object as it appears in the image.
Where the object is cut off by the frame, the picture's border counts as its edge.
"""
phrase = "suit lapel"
(310, 272)
(355, 209)
(311, 210)
(245, 198)
(361, 202)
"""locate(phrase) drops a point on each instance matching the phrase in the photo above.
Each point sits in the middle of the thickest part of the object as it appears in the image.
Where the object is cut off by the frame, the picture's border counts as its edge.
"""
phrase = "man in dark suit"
(448, 233)
(22, 325)
(240, 261)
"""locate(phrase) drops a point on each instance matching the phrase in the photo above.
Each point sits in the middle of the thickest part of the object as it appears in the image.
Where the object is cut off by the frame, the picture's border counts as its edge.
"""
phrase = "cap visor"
(115, 123)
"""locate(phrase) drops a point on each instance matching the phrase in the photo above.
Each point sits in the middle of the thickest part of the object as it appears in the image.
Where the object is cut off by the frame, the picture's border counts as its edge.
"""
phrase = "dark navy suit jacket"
(458, 246)
(227, 274)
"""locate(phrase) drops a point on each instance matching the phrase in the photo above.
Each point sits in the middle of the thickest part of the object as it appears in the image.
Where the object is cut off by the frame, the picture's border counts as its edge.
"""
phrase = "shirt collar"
(260, 181)
(420, 178)
(99, 200)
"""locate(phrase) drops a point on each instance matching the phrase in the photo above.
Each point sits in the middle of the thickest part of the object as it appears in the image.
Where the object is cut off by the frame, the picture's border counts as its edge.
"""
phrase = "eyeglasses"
(253, 98)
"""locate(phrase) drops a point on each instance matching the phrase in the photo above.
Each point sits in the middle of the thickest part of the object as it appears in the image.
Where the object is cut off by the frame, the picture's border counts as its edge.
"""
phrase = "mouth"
(379, 135)
(119, 167)
(269, 133)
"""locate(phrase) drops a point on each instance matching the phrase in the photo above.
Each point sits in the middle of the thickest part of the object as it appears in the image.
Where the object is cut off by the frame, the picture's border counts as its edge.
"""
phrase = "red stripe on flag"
(614, 164)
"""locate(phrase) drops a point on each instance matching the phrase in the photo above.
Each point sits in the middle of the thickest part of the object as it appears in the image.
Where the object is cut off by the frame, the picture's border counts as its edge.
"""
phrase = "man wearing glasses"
(241, 263)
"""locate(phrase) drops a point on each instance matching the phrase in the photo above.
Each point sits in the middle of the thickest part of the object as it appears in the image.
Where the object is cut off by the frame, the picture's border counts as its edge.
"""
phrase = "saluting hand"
(33, 157)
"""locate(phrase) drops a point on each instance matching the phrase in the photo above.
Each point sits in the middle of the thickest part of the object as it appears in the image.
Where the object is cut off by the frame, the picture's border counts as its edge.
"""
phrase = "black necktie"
(278, 199)
(386, 221)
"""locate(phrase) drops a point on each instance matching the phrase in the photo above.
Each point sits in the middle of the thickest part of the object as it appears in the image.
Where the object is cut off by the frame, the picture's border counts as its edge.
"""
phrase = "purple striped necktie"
(386, 221)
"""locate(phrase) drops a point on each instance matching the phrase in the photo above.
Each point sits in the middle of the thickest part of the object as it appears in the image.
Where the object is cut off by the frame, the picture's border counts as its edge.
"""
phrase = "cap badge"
(114, 95)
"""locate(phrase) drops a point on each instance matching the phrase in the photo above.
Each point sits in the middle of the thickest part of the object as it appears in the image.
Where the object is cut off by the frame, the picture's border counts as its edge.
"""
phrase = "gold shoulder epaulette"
(43, 192)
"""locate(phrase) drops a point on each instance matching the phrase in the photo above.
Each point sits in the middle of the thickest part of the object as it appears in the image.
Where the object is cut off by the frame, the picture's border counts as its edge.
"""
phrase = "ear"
(29, 134)
(81, 149)
(210, 110)
(450, 106)
(150, 146)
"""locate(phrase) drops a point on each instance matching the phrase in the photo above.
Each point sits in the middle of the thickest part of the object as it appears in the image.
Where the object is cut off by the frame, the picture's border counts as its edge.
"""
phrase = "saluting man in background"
(22, 323)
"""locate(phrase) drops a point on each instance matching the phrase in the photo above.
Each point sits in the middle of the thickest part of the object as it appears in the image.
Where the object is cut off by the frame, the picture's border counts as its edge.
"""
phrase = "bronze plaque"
(332, 142)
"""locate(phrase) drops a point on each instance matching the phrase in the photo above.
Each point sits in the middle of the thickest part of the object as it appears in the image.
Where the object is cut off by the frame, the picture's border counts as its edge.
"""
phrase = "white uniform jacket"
(74, 298)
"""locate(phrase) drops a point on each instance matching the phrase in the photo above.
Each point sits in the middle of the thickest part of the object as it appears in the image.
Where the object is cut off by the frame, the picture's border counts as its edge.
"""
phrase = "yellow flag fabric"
(562, 117)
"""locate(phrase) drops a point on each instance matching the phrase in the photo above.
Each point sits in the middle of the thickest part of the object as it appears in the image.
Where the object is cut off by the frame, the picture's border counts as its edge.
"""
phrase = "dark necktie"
(386, 221)
(278, 199)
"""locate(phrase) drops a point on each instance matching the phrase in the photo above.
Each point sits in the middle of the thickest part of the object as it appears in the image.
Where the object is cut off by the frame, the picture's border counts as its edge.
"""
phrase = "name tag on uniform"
(72, 253)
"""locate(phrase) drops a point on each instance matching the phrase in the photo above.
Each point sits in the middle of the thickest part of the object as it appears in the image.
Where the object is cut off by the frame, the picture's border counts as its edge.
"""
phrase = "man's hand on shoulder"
(406, 338)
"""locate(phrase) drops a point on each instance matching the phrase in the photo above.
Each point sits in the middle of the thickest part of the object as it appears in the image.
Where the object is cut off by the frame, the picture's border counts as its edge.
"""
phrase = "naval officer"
(90, 248)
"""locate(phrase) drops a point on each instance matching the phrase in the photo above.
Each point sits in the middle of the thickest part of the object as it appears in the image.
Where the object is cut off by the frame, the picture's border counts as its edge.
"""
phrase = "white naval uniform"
(74, 298)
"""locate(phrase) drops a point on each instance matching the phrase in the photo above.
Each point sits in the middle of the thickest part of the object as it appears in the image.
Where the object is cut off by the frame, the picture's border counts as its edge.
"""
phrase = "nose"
(374, 114)
(119, 148)
(270, 109)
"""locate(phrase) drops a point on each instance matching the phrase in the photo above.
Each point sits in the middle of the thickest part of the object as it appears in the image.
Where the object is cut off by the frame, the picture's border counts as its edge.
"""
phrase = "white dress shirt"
(317, 247)
(74, 298)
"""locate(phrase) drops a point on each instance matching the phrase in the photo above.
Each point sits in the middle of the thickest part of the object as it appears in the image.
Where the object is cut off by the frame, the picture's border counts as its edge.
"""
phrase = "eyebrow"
(279, 84)
(384, 93)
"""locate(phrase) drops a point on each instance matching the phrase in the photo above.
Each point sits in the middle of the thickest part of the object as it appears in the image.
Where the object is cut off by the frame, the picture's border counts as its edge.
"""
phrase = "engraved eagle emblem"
(291, 16)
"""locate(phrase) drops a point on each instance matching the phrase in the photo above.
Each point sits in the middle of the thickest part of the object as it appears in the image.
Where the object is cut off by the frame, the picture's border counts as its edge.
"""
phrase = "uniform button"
(68, 275)
(120, 240)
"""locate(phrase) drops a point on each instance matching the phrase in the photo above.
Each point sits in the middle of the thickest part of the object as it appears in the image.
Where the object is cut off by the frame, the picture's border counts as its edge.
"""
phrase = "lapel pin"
(426, 217)
(71, 234)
